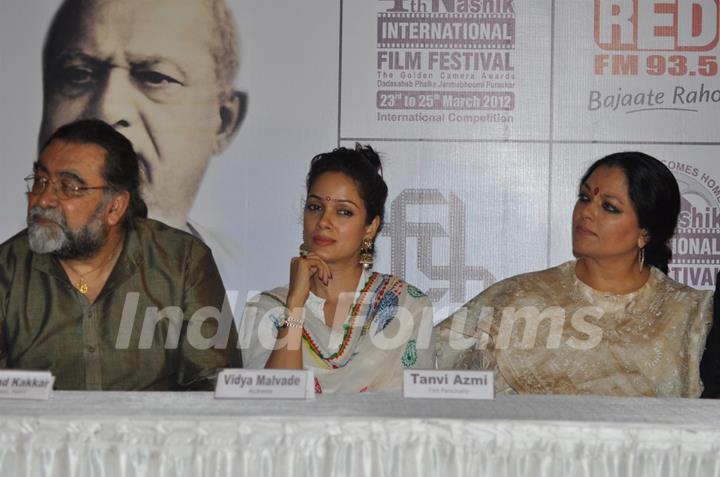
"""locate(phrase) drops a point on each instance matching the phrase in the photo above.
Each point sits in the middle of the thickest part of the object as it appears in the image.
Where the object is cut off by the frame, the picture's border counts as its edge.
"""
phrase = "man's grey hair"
(224, 46)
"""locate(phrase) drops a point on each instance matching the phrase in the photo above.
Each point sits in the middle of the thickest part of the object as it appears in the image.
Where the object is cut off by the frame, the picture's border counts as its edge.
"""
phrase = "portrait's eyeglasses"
(64, 187)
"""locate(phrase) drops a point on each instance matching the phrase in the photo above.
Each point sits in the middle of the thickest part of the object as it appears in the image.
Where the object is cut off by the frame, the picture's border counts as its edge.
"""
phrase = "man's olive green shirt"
(160, 323)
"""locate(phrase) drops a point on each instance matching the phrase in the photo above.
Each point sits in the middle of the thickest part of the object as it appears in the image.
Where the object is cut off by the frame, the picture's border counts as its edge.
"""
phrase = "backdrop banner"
(485, 112)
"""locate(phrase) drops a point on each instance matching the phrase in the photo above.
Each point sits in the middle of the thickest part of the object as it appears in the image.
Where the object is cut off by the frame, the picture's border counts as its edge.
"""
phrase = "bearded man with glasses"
(90, 262)
(64, 243)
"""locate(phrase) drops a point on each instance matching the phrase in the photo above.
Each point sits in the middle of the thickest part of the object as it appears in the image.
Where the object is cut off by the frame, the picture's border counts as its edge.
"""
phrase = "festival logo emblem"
(696, 244)
(455, 270)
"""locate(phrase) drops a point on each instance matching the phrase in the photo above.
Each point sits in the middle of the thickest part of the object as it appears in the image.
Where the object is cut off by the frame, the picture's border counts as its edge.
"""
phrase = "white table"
(192, 434)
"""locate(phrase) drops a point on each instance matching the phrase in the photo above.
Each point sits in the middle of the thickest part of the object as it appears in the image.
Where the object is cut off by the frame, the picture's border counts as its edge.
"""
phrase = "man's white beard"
(58, 239)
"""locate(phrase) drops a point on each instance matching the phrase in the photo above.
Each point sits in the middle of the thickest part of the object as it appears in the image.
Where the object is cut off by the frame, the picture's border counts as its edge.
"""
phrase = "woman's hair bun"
(370, 155)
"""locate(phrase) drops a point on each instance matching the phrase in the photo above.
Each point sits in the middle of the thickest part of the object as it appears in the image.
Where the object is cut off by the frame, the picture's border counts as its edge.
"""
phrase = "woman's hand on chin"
(302, 270)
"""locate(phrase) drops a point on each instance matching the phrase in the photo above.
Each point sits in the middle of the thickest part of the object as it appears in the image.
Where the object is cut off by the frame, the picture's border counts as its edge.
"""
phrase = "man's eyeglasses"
(65, 187)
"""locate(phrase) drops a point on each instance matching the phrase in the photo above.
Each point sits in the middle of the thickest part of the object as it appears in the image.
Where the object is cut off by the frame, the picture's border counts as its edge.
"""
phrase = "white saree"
(388, 329)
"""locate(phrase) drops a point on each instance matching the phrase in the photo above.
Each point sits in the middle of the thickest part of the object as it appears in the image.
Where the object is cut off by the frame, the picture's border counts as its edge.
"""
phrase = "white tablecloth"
(191, 434)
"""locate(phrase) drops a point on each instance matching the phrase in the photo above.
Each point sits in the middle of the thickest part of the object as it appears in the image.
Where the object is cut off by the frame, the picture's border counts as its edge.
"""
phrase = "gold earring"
(641, 258)
(366, 253)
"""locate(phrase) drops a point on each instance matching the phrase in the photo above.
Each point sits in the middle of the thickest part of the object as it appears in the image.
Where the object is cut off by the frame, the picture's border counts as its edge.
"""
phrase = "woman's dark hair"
(655, 196)
(363, 166)
(121, 171)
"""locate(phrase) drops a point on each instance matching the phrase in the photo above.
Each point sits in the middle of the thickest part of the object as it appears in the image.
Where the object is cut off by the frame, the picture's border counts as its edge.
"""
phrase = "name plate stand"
(448, 384)
(265, 384)
(19, 384)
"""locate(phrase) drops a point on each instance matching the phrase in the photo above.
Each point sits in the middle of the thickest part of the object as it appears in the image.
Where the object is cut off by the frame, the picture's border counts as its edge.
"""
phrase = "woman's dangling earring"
(366, 253)
(641, 258)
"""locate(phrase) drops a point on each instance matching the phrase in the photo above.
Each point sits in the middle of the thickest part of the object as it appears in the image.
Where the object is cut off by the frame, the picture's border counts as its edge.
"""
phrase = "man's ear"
(118, 207)
(232, 112)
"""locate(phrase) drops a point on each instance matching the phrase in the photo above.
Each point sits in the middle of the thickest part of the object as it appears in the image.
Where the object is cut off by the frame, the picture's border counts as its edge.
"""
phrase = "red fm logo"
(656, 25)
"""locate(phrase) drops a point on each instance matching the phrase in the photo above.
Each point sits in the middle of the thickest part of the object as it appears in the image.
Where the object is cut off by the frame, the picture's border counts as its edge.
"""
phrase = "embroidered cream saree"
(549, 333)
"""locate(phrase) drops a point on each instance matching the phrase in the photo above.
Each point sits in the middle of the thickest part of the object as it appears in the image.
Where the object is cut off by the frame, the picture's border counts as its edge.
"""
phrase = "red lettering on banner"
(619, 64)
(657, 25)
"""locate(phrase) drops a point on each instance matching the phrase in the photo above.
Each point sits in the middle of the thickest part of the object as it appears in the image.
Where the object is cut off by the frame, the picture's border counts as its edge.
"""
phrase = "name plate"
(265, 384)
(448, 384)
(17, 384)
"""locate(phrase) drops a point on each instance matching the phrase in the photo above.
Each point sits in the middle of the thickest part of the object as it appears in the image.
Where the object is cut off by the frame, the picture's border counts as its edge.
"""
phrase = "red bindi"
(596, 191)
(327, 198)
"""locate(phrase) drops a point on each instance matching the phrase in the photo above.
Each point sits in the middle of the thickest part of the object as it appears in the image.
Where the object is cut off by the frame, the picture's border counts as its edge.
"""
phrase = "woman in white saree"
(611, 322)
(356, 329)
